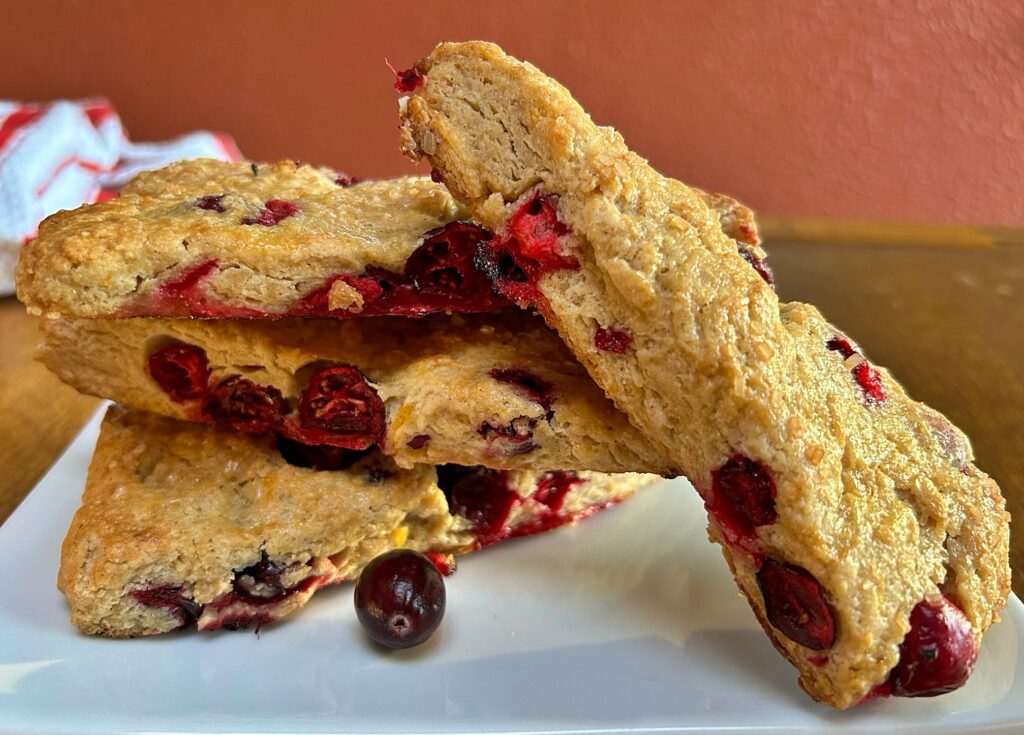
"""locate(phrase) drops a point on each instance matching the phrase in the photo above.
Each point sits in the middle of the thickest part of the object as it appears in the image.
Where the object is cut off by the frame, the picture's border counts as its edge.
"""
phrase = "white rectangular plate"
(627, 622)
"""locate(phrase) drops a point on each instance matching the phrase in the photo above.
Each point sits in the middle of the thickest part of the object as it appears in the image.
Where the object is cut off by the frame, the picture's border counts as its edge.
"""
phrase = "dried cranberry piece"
(528, 249)
(611, 339)
(418, 442)
(322, 458)
(181, 370)
(938, 654)
(842, 346)
(795, 604)
(480, 495)
(211, 203)
(177, 598)
(870, 382)
(343, 180)
(408, 80)
(759, 265)
(260, 581)
(272, 213)
(435, 176)
(247, 406)
(869, 379)
(444, 263)
(742, 498)
(552, 487)
(528, 384)
(338, 400)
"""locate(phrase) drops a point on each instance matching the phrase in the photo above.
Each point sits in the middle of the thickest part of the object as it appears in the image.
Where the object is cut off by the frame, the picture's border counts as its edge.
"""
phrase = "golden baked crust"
(110, 258)
(182, 524)
(175, 243)
(875, 496)
(442, 397)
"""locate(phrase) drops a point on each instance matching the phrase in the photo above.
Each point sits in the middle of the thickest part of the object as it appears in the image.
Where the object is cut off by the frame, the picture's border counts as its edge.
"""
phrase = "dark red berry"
(517, 434)
(481, 496)
(552, 487)
(418, 442)
(211, 203)
(344, 180)
(443, 263)
(338, 400)
(175, 597)
(842, 346)
(182, 371)
(322, 458)
(272, 213)
(261, 581)
(400, 598)
(247, 406)
(759, 265)
(742, 498)
(795, 604)
(614, 340)
(408, 80)
(435, 176)
(869, 379)
(528, 384)
(938, 654)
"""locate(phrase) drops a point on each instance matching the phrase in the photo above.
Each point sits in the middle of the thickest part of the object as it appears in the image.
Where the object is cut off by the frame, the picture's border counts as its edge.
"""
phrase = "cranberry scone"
(184, 525)
(503, 392)
(872, 550)
(209, 239)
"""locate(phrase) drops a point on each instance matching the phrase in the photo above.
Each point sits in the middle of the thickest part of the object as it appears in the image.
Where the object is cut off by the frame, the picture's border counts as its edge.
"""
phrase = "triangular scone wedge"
(209, 239)
(497, 390)
(184, 525)
(854, 519)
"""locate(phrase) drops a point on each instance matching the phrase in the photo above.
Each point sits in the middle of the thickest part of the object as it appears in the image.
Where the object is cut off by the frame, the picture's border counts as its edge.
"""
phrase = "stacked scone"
(871, 549)
(267, 441)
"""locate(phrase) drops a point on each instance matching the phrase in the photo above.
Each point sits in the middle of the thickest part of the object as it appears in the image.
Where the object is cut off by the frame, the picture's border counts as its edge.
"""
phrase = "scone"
(184, 525)
(503, 392)
(205, 238)
(872, 550)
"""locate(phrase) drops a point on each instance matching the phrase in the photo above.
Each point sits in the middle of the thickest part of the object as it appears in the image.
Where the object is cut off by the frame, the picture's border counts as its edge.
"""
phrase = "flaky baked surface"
(876, 499)
(174, 514)
(108, 258)
(435, 377)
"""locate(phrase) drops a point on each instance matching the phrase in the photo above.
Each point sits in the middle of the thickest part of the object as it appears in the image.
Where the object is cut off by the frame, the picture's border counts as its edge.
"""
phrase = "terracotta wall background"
(903, 110)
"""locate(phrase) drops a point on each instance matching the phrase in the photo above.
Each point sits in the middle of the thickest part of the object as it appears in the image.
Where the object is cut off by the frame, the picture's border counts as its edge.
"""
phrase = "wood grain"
(943, 308)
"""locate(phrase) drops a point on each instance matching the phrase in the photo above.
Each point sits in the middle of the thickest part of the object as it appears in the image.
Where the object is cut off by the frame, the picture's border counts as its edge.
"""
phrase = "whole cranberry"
(400, 598)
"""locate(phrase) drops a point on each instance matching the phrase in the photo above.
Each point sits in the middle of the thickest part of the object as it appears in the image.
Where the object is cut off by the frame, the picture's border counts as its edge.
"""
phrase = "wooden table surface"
(942, 307)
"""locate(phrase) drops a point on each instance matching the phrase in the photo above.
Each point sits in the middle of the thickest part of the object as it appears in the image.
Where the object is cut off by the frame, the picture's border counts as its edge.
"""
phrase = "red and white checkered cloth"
(59, 155)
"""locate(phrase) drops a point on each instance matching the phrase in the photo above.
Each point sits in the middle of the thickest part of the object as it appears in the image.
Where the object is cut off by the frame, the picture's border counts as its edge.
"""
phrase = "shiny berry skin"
(181, 370)
(400, 598)
(938, 654)
(795, 605)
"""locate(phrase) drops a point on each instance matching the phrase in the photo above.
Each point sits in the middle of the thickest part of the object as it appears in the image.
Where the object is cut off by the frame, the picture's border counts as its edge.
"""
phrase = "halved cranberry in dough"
(273, 212)
(247, 406)
(529, 248)
(443, 263)
(939, 652)
(869, 379)
(211, 203)
(481, 496)
(795, 605)
(612, 339)
(181, 370)
(338, 400)
(742, 498)
(177, 598)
